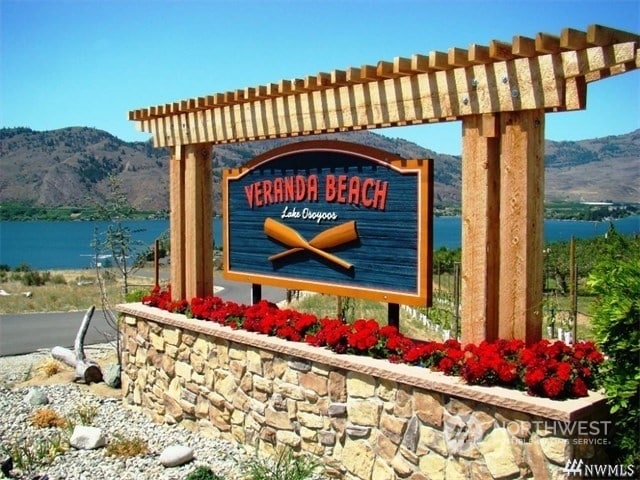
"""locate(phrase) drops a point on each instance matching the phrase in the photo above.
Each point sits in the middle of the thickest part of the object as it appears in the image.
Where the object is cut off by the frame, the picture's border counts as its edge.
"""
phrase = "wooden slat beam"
(602, 36)
(571, 39)
(438, 60)
(524, 46)
(546, 43)
(593, 59)
(402, 66)
(420, 63)
(385, 70)
(368, 72)
(353, 75)
(500, 50)
(425, 97)
(479, 54)
(458, 57)
(339, 77)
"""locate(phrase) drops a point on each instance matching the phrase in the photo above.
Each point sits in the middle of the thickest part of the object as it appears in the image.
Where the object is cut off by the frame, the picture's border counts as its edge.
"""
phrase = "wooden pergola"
(501, 93)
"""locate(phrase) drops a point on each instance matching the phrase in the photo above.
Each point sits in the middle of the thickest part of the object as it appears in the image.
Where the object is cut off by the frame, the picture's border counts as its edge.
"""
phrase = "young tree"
(118, 244)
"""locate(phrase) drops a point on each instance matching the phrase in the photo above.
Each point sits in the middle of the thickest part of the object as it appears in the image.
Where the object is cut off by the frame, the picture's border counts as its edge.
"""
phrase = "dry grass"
(49, 367)
(79, 293)
(47, 418)
(126, 447)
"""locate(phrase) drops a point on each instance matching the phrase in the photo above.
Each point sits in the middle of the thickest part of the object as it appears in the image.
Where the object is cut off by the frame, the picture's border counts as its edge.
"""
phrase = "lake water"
(67, 245)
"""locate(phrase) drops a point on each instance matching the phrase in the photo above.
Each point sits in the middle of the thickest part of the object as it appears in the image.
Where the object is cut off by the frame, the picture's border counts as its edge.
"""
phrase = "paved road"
(28, 332)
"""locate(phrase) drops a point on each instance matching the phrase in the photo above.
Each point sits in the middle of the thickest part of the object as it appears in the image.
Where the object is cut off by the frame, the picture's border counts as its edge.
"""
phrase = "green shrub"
(136, 295)
(58, 279)
(23, 267)
(285, 466)
(616, 316)
(33, 278)
(203, 473)
(31, 454)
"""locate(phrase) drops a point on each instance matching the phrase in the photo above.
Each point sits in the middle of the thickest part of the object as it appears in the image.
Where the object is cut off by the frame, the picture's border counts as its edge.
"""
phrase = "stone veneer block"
(499, 458)
(360, 385)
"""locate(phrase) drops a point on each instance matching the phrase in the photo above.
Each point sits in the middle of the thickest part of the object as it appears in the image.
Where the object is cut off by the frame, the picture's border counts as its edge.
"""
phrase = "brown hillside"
(71, 167)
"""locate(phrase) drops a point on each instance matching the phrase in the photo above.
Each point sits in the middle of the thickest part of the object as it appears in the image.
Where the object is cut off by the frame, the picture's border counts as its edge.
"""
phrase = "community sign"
(331, 217)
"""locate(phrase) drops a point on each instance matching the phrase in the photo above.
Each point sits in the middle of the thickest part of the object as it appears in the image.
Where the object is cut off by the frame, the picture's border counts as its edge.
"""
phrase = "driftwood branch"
(87, 371)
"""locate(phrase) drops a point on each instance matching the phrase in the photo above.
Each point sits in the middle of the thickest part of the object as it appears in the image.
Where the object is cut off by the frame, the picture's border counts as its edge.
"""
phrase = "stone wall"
(365, 418)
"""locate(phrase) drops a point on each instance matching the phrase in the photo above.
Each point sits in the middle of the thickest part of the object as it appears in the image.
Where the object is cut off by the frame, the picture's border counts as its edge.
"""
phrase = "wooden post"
(480, 228)
(256, 293)
(177, 215)
(521, 224)
(191, 216)
(198, 219)
(156, 262)
(393, 315)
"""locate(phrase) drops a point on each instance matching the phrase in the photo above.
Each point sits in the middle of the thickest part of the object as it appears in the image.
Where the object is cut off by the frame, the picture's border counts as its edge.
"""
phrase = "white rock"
(87, 438)
(176, 455)
(37, 396)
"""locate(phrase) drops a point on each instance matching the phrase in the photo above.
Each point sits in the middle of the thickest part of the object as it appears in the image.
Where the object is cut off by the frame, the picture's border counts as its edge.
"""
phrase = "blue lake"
(66, 245)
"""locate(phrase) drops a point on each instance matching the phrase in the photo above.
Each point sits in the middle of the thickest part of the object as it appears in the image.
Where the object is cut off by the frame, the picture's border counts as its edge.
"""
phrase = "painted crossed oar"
(331, 237)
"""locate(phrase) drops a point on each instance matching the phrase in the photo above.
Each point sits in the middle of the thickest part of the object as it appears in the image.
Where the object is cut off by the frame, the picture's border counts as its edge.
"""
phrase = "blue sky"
(87, 63)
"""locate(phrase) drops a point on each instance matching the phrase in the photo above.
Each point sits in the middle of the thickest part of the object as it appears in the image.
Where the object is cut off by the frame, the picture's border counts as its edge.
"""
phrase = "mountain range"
(72, 166)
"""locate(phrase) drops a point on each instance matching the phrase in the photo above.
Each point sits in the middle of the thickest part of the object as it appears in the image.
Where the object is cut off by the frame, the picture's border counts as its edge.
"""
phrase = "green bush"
(285, 466)
(33, 278)
(23, 267)
(58, 279)
(136, 295)
(203, 473)
(616, 317)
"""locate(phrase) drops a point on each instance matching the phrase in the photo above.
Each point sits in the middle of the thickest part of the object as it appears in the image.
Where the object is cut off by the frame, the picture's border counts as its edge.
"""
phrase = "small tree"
(616, 325)
(118, 244)
(118, 240)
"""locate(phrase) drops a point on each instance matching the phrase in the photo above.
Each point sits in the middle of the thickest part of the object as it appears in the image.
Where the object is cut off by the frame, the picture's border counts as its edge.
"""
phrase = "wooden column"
(191, 217)
(502, 226)
(521, 224)
(480, 228)
(177, 230)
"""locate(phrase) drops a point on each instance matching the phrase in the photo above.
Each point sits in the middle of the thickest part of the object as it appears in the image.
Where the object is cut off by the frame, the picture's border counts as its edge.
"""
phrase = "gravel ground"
(68, 399)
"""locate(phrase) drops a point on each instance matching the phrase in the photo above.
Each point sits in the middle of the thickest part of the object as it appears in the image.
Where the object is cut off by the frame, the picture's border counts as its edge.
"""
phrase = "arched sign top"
(357, 150)
(332, 217)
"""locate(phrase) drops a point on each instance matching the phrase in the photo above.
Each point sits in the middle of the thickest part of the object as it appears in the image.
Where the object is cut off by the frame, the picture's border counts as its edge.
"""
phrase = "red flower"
(563, 370)
(534, 377)
(548, 369)
(579, 388)
(552, 387)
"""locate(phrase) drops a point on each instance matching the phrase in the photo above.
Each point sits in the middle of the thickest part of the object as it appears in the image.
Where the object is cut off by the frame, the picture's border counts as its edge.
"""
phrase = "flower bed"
(545, 369)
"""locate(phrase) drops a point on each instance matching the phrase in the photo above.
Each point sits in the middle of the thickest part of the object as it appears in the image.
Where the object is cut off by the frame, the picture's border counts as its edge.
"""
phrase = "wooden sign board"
(331, 217)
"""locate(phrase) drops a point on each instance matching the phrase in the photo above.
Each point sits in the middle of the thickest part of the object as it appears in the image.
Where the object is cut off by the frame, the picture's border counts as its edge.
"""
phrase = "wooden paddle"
(329, 238)
(293, 239)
